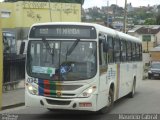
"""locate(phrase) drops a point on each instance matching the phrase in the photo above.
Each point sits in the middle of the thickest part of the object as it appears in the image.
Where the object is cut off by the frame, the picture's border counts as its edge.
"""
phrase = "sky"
(135, 3)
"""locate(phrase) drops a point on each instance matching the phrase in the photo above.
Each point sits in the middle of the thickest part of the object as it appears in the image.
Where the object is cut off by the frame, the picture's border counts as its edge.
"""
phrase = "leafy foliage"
(150, 22)
(158, 19)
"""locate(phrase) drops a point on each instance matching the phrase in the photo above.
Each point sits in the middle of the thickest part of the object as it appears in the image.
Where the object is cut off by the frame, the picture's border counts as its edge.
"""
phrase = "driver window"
(102, 53)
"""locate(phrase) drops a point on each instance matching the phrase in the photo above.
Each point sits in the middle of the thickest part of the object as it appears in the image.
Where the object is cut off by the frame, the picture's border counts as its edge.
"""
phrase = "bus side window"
(129, 51)
(117, 50)
(133, 52)
(137, 52)
(123, 51)
(140, 47)
(110, 49)
(102, 53)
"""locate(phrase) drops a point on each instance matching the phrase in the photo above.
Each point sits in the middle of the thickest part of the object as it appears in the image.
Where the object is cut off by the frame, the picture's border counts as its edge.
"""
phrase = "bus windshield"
(62, 60)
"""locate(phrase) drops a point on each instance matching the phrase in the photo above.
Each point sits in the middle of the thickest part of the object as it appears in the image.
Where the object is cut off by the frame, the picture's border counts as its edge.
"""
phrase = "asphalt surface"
(146, 101)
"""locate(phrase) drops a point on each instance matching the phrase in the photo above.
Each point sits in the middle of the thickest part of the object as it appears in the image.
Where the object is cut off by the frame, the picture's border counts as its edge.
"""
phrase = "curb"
(13, 106)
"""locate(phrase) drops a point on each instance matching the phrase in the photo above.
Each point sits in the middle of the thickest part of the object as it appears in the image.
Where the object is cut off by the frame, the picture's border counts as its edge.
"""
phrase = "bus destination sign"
(66, 32)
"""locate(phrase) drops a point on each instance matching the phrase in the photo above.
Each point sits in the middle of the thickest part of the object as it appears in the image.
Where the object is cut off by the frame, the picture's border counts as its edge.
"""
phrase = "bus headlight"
(32, 89)
(88, 92)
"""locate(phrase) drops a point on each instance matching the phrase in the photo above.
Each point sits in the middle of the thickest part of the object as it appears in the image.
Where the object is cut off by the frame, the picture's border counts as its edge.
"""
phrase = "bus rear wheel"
(110, 102)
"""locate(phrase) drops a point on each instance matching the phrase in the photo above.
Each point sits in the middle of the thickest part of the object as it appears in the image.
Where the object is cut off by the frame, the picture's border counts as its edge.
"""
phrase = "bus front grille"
(57, 102)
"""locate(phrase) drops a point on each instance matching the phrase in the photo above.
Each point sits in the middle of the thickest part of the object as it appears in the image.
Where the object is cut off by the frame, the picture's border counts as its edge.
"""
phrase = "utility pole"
(50, 10)
(125, 17)
(107, 13)
(116, 6)
(115, 14)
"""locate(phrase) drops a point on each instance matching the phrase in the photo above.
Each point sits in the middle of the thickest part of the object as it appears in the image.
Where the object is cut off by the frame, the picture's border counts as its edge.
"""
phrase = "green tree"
(158, 7)
(150, 21)
(63, 1)
(158, 19)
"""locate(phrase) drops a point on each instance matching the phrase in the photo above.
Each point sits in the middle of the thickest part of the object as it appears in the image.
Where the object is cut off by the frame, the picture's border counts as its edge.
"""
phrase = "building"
(118, 25)
(155, 54)
(149, 34)
(23, 14)
(130, 8)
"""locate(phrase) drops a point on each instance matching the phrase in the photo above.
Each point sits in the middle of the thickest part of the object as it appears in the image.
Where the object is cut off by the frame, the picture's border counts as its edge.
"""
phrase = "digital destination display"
(63, 31)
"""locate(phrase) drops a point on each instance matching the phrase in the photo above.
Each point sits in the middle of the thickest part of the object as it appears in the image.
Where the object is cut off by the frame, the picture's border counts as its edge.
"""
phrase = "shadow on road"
(64, 115)
(76, 115)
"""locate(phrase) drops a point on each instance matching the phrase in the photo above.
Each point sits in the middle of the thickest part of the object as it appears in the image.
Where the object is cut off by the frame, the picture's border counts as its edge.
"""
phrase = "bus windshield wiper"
(50, 50)
(72, 47)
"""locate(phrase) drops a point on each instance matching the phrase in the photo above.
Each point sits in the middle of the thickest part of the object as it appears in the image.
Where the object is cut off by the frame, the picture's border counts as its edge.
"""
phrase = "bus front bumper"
(88, 104)
(84, 104)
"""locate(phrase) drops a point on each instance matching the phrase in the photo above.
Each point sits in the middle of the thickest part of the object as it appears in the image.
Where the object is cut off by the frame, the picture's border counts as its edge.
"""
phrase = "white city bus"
(80, 66)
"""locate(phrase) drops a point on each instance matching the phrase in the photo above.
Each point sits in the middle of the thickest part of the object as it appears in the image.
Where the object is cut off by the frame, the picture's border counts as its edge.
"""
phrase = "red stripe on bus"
(46, 88)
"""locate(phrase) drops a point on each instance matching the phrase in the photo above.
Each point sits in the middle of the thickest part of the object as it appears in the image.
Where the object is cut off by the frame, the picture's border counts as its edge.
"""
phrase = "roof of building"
(135, 29)
(146, 29)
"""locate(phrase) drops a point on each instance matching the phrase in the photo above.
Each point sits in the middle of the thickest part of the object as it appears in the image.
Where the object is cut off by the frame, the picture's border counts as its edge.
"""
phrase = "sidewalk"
(14, 98)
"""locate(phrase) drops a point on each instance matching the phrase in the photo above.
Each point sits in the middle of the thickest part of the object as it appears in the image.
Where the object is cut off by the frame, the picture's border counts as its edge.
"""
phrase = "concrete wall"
(155, 56)
(146, 58)
(158, 38)
(24, 14)
(151, 44)
(1, 65)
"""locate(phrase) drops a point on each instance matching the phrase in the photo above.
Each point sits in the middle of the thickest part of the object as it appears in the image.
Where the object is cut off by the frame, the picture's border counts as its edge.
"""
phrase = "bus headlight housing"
(88, 92)
(32, 89)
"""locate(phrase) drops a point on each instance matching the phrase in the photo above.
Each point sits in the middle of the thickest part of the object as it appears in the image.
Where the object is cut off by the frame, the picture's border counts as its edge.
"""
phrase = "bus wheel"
(110, 103)
(132, 93)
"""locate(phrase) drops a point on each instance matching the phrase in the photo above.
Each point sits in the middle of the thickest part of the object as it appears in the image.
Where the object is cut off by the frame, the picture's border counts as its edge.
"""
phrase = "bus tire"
(108, 108)
(132, 93)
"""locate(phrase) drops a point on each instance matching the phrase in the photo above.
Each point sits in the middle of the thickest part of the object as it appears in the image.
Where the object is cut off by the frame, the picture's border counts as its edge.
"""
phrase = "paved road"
(146, 100)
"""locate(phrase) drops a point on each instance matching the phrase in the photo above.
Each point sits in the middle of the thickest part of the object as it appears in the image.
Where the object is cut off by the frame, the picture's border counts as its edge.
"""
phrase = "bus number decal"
(111, 73)
(32, 80)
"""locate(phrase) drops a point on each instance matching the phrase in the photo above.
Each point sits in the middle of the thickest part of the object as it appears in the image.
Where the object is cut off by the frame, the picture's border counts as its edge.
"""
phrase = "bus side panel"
(127, 73)
(105, 81)
(139, 74)
(132, 72)
(124, 76)
(103, 91)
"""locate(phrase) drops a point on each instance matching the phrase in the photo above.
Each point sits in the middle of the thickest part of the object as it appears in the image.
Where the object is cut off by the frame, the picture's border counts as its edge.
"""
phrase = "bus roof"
(98, 27)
